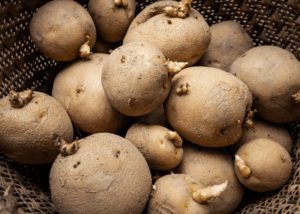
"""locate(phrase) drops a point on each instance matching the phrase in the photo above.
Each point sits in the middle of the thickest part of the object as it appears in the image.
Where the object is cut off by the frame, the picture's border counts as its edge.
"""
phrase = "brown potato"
(161, 147)
(106, 175)
(79, 89)
(228, 41)
(180, 39)
(179, 193)
(63, 30)
(207, 106)
(262, 129)
(30, 125)
(273, 77)
(263, 165)
(135, 78)
(211, 167)
(112, 17)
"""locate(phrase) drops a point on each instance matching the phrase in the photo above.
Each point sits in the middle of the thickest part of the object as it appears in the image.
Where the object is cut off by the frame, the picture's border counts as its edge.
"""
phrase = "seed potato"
(107, 174)
(161, 147)
(273, 77)
(263, 165)
(207, 106)
(173, 35)
(30, 125)
(79, 89)
(63, 30)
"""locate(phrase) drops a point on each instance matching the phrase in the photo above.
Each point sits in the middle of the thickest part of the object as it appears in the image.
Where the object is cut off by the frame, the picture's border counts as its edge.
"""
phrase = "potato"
(78, 88)
(155, 117)
(106, 175)
(211, 167)
(263, 165)
(135, 78)
(262, 129)
(112, 17)
(180, 39)
(273, 77)
(104, 47)
(207, 106)
(179, 193)
(63, 30)
(161, 147)
(30, 125)
(228, 41)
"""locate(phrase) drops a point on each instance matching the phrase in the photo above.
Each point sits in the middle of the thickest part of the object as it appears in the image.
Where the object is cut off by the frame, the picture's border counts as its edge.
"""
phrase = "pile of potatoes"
(177, 116)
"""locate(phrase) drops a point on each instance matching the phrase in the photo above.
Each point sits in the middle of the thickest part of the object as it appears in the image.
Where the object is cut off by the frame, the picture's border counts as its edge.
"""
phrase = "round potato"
(262, 129)
(106, 175)
(79, 89)
(63, 30)
(228, 41)
(135, 78)
(263, 165)
(30, 125)
(207, 106)
(180, 39)
(211, 167)
(179, 193)
(112, 17)
(273, 77)
(161, 147)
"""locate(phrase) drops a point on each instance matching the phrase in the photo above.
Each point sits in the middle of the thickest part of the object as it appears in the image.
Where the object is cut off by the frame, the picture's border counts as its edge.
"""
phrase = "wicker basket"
(22, 66)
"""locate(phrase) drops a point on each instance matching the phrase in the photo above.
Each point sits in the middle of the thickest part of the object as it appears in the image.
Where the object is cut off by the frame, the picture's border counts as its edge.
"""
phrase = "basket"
(275, 22)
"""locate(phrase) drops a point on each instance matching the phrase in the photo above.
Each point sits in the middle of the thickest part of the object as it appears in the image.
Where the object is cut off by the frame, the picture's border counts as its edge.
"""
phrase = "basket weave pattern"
(22, 66)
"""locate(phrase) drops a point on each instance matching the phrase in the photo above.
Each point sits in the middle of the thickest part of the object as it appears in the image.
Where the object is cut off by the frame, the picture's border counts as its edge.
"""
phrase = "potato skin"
(212, 112)
(28, 134)
(211, 167)
(262, 129)
(151, 140)
(106, 175)
(135, 79)
(59, 28)
(228, 41)
(111, 21)
(173, 195)
(79, 89)
(174, 36)
(273, 76)
(269, 162)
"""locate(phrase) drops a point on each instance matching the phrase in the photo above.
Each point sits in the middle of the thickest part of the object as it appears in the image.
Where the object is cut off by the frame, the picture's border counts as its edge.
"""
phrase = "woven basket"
(22, 66)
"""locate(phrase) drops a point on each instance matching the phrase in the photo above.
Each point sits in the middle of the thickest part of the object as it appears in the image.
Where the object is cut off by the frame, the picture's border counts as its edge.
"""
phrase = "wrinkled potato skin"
(183, 40)
(262, 129)
(173, 195)
(59, 28)
(28, 134)
(269, 162)
(211, 114)
(273, 76)
(159, 152)
(211, 167)
(135, 79)
(111, 21)
(106, 175)
(79, 89)
(228, 41)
